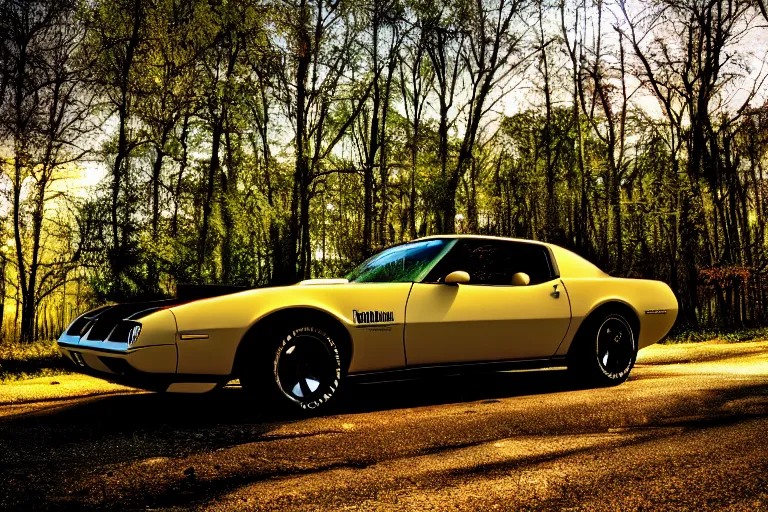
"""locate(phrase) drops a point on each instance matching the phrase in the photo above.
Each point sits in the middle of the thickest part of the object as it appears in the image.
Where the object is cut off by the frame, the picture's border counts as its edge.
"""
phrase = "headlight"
(133, 334)
(126, 332)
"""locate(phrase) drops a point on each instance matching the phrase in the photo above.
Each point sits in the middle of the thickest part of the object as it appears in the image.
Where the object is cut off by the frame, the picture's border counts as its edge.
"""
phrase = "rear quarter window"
(571, 264)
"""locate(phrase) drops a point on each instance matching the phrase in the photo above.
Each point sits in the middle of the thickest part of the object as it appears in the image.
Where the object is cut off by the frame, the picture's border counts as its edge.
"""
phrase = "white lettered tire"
(605, 350)
(306, 368)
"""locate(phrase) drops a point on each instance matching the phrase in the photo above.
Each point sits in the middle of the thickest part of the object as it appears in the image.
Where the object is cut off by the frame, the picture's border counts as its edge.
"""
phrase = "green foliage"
(28, 360)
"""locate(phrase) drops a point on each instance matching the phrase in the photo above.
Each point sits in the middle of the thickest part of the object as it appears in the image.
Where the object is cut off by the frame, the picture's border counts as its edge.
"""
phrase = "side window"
(492, 262)
(488, 262)
(534, 261)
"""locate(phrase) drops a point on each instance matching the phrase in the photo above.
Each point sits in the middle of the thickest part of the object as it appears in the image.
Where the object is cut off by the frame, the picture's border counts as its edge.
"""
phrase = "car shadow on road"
(448, 389)
(233, 406)
(132, 426)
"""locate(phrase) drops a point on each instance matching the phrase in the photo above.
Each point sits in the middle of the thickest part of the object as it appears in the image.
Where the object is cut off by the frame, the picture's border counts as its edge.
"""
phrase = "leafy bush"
(26, 360)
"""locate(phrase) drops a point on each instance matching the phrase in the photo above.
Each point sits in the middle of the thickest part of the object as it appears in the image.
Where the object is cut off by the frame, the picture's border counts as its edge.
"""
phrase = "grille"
(99, 323)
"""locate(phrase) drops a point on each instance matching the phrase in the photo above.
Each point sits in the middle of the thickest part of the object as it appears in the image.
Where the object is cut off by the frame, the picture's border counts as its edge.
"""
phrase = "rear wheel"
(606, 350)
(302, 370)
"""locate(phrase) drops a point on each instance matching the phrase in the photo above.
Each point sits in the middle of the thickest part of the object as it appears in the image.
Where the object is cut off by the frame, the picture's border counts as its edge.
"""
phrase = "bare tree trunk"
(384, 154)
(298, 218)
(179, 179)
(580, 224)
(123, 148)
(373, 145)
(204, 250)
(228, 188)
(552, 221)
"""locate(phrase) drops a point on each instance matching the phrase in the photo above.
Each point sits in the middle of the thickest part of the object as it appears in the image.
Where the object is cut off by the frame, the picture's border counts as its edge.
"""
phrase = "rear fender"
(653, 303)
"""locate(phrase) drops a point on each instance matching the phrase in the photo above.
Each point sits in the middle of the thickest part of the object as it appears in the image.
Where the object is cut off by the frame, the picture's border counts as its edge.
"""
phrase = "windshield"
(402, 263)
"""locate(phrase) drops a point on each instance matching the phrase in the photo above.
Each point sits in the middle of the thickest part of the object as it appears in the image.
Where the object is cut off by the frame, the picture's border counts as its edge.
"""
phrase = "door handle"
(555, 293)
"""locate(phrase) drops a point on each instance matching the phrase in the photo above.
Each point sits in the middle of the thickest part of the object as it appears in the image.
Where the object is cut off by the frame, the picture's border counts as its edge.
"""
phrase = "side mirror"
(457, 277)
(521, 279)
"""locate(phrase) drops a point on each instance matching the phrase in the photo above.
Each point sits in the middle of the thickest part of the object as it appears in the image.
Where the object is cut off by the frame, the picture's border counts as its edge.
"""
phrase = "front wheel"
(303, 370)
(606, 350)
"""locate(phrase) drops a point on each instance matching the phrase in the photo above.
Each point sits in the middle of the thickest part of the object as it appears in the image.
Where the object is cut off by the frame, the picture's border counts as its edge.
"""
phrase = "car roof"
(482, 237)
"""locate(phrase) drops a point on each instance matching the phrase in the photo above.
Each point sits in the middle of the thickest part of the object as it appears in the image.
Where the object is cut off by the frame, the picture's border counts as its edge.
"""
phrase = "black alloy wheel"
(605, 350)
(307, 368)
(615, 347)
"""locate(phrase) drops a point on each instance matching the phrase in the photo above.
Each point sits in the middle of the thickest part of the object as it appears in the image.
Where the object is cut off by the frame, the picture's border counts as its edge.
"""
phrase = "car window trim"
(549, 282)
(552, 261)
(448, 247)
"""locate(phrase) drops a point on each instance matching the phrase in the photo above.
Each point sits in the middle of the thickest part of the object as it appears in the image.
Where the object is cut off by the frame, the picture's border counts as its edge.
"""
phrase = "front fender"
(210, 330)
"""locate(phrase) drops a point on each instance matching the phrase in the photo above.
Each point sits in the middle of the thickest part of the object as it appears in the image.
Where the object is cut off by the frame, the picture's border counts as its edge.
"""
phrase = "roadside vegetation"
(28, 360)
(733, 336)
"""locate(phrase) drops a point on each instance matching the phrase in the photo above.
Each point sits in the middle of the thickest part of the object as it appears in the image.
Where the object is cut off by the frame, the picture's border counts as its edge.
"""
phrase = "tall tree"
(116, 32)
(574, 49)
(492, 56)
(321, 35)
(45, 112)
(416, 81)
(444, 40)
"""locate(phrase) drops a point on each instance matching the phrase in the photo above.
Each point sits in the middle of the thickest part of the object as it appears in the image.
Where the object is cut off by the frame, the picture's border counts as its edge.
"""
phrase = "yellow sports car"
(443, 302)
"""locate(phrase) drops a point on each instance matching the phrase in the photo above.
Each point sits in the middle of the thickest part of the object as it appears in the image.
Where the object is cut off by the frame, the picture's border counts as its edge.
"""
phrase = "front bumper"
(151, 368)
(100, 348)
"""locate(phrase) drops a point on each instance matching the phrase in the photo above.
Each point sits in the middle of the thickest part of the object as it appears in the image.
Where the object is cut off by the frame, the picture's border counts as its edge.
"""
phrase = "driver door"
(488, 319)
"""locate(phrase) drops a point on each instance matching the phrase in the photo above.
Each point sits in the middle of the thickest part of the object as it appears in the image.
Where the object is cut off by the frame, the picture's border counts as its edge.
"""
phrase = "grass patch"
(690, 336)
(28, 360)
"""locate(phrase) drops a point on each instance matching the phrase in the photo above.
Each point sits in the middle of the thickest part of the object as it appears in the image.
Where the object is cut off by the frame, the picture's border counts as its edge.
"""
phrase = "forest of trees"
(259, 142)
